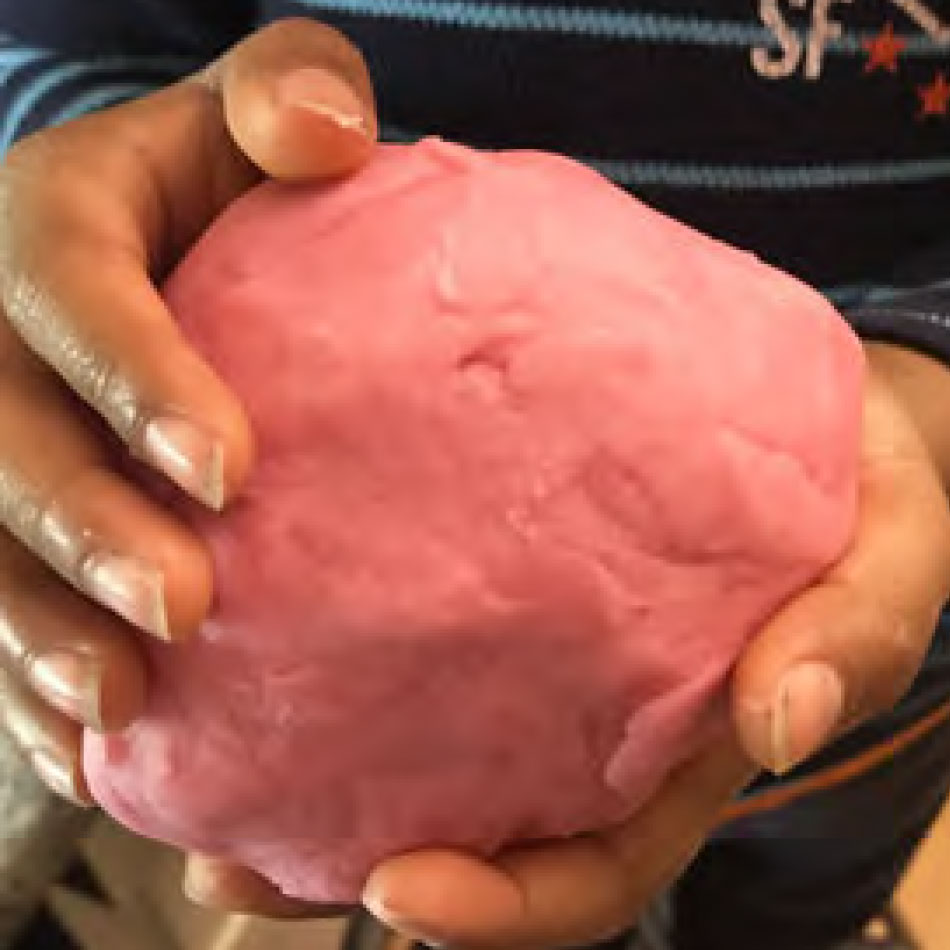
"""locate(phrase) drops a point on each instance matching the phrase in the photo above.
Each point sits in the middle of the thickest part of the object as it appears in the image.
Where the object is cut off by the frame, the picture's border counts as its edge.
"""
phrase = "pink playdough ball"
(535, 462)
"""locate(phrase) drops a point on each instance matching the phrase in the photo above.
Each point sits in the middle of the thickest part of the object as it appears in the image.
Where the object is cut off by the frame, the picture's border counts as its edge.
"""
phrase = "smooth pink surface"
(535, 462)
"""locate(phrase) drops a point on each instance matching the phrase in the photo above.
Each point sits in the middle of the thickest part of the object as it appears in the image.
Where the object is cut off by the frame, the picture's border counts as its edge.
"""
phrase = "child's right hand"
(93, 213)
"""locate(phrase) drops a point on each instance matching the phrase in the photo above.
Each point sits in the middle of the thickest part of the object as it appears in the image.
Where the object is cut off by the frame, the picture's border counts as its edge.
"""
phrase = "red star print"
(883, 50)
(935, 98)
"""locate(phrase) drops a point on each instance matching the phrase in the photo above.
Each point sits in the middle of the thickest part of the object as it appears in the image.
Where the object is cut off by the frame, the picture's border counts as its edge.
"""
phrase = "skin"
(93, 214)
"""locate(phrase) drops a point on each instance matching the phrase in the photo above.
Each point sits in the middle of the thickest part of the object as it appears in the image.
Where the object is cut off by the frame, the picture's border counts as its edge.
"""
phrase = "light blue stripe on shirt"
(887, 295)
(600, 23)
(850, 295)
(14, 58)
(672, 174)
(47, 81)
(771, 177)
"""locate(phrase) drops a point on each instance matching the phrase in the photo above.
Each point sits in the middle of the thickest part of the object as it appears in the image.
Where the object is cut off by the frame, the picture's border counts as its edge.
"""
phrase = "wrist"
(922, 384)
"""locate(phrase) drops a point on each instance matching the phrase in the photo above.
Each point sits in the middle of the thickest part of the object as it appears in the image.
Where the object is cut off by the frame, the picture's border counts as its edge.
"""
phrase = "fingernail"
(326, 94)
(189, 456)
(57, 776)
(130, 587)
(70, 682)
(806, 708)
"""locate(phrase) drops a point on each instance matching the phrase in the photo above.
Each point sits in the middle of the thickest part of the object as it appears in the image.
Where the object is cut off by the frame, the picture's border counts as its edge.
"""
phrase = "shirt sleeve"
(60, 59)
(914, 311)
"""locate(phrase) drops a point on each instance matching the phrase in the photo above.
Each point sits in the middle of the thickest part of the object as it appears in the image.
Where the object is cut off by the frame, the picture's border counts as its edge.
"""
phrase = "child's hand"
(92, 212)
(851, 645)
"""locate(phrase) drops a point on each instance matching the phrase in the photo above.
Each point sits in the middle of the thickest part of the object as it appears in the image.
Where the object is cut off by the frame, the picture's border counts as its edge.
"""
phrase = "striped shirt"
(813, 132)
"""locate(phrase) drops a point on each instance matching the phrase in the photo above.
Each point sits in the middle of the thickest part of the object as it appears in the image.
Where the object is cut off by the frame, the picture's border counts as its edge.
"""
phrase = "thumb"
(297, 100)
(850, 646)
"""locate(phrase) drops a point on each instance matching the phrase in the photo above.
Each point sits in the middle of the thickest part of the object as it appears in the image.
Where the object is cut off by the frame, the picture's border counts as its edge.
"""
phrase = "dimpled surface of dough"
(534, 462)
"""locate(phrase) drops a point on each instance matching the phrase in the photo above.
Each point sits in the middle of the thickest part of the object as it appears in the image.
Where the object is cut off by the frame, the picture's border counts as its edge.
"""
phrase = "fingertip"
(214, 882)
(805, 710)
(184, 562)
(122, 690)
(208, 463)
(163, 585)
(239, 456)
(751, 707)
(443, 897)
(200, 882)
(298, 102)
(294, 134)
(324, 129)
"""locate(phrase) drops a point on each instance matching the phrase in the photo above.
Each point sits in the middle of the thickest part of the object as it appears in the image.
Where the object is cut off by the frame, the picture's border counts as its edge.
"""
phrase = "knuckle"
(22, 511)
(41, 164)
(906, 645)
(900, 641)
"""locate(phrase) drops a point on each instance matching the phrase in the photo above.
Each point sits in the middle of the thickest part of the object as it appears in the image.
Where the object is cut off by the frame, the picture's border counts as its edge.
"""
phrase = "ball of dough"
(535, 461)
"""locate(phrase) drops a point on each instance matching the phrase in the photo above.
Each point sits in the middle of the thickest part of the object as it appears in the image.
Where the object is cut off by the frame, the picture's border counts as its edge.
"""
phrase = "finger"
(850, 646)
(561, 894)
(922, 384)
(107, 539)
(85, 305)
(81, 660)
(223, 885)
(298, 100)
(48, 739)
(91, 208)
